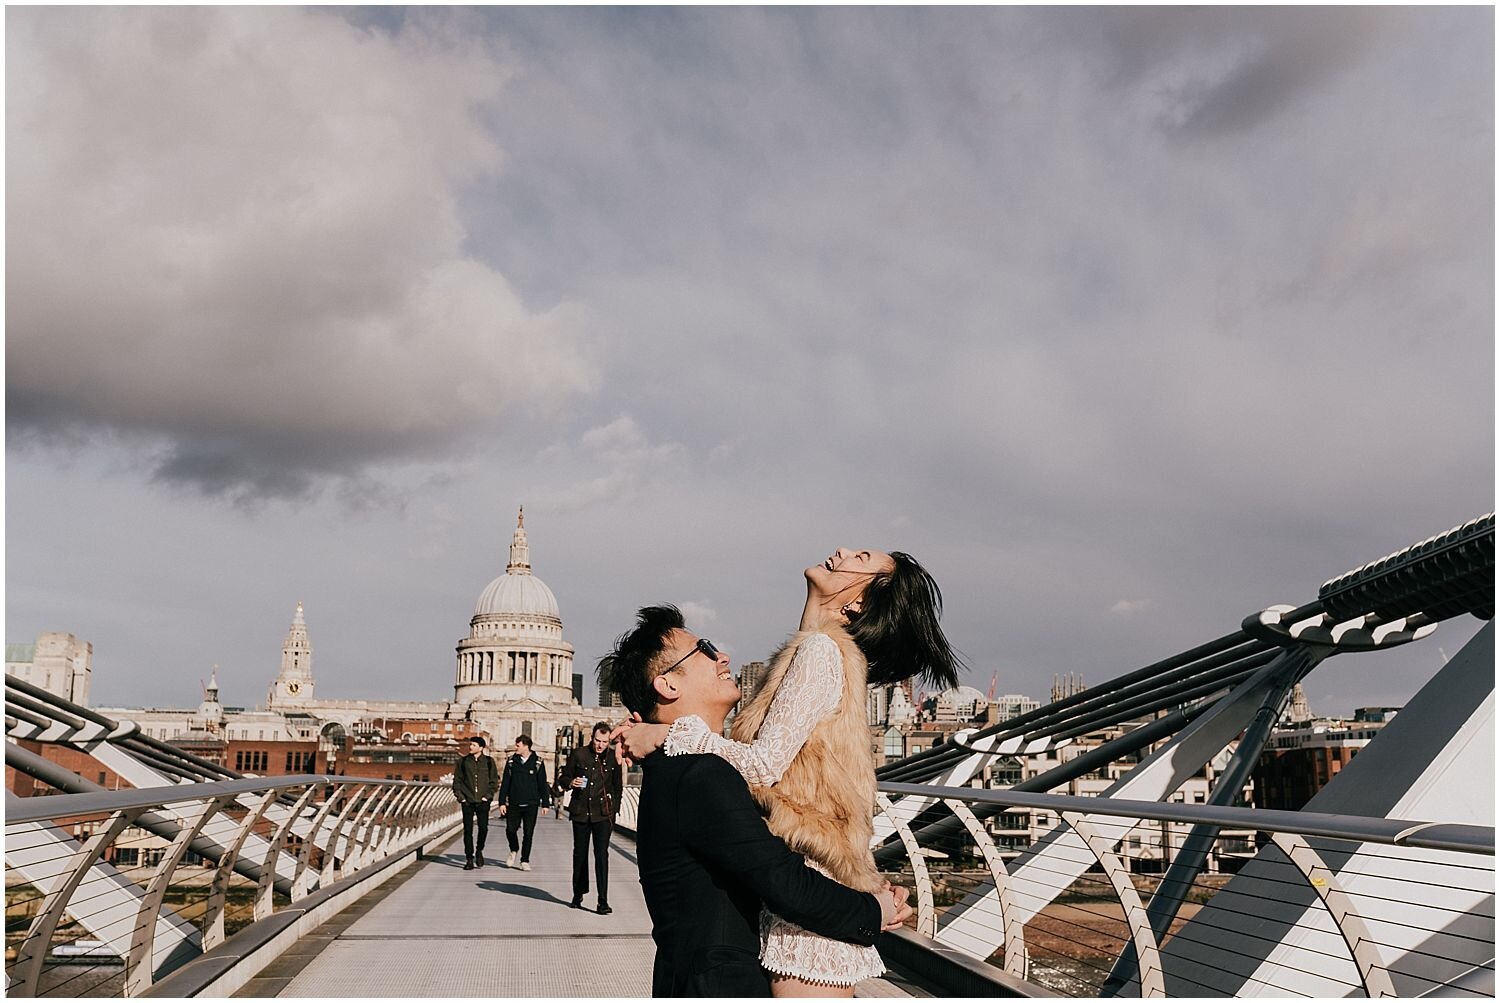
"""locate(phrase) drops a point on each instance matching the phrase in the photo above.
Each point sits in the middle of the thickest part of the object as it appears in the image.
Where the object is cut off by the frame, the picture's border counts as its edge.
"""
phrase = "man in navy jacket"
(523, 792)
(707, 860)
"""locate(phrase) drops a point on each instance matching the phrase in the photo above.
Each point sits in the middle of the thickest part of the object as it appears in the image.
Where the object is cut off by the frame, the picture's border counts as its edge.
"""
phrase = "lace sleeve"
(809, 691)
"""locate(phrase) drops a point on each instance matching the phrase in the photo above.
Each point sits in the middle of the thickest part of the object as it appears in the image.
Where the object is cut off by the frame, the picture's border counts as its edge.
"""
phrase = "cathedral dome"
(517, 592)
(521, 595)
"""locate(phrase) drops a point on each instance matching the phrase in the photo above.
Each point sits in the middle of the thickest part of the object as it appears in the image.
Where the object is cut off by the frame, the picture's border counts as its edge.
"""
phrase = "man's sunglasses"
(704, 645)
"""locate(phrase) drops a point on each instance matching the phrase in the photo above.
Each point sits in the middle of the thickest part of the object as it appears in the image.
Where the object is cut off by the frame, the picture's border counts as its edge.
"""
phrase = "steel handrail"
(395, 813)
(1395, 832)
(1084, 819)
(96, 802)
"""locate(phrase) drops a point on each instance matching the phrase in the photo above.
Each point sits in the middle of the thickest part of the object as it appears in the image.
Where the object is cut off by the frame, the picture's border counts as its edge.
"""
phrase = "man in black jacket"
(707, 860)
(594, 776)
(523, 792)
(474, 781)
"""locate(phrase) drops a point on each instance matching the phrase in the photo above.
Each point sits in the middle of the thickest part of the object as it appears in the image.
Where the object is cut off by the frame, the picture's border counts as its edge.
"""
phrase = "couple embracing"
(736, 910)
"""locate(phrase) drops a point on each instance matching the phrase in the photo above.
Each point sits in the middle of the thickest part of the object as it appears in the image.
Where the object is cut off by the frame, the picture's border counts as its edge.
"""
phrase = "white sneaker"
(525, 865)
(510, 861)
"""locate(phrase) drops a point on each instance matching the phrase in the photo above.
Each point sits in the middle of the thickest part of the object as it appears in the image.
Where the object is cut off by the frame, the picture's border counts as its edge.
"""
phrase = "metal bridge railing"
(1372, 906)
(106, 892)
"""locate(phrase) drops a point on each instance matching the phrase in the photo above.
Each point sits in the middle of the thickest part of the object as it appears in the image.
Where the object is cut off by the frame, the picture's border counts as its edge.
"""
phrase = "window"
(299, 762)
(893, 743)
(251, 762)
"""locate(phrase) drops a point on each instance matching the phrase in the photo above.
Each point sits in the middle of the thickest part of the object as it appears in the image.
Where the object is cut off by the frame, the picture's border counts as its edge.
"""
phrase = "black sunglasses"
(704, 645)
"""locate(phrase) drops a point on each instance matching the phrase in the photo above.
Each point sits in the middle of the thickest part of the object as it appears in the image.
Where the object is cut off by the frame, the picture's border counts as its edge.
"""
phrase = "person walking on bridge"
(523, 792)
(596, 779)
(474, 781)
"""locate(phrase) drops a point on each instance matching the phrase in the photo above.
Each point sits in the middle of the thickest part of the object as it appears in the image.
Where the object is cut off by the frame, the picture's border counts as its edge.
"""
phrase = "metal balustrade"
(107, 892)
(1388, 907)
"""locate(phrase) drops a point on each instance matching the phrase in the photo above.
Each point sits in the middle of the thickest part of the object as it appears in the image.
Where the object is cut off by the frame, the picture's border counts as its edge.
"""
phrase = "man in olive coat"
(474, 781)
(594, 775)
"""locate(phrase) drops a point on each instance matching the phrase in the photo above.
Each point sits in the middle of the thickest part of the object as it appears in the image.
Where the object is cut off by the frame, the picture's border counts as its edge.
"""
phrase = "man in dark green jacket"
(474, 781)
(593, 775)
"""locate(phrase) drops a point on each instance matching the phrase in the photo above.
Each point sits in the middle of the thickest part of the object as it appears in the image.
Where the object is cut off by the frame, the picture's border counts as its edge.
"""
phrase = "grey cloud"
(243, 240)
(1206, 72)
(230, 474)
(933, 280)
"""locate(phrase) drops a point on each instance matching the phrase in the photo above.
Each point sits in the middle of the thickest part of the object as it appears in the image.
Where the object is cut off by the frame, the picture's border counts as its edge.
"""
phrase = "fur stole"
(823, 806)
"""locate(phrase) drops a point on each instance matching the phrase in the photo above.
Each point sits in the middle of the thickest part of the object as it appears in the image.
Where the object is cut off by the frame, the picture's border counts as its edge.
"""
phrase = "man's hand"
(502, 811)
(577, 782)
(894, 912)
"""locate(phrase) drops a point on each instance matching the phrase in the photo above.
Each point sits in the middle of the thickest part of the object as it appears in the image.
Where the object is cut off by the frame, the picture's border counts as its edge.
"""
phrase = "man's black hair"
(627, 669)
(897, 627)
(479, 739)
(524, 740)
(600, 726)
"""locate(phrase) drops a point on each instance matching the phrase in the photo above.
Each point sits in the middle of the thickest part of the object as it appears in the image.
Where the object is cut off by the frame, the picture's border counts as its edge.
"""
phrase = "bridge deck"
(444, 931)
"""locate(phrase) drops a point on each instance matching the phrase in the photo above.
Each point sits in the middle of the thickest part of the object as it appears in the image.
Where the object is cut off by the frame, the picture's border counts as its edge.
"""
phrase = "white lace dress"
(810, 690)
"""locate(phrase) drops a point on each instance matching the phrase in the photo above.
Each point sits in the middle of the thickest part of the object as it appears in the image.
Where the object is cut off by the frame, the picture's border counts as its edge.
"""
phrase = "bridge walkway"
(492, 931)
(439, 930)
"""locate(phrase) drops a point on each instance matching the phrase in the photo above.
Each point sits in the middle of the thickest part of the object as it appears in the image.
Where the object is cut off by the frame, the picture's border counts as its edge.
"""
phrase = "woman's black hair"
(897, 628)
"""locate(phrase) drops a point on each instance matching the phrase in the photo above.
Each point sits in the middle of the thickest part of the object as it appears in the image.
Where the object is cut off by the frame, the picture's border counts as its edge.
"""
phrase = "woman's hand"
(894, 912)
(638, 739)
(624, 726)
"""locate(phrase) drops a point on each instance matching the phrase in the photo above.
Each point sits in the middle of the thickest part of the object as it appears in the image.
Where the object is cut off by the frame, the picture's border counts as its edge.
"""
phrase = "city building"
(752, 674)
(960, 704)
(58, 663)
(1010, 705)
(1299, 761)
(513, 675)
(1067, 685)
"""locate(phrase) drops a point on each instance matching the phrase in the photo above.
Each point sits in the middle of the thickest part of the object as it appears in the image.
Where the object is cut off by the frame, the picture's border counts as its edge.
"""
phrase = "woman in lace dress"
(803, 741)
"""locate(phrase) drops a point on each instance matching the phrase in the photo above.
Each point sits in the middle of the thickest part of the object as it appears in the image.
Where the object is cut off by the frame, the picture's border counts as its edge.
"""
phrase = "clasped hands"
(637, 739)
(894, 910)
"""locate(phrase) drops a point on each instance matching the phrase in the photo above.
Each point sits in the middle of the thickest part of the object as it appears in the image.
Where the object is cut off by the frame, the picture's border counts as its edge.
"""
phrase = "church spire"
(520, 552)
(294, 683)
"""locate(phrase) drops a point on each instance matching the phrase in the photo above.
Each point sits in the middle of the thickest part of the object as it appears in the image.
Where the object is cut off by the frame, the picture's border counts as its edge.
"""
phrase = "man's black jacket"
(475, 778)
(589, 804)
(707, 861)
(525, 782)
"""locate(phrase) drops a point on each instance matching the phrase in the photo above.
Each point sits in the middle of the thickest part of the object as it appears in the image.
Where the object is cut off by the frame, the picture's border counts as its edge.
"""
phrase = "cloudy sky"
(1126, 323)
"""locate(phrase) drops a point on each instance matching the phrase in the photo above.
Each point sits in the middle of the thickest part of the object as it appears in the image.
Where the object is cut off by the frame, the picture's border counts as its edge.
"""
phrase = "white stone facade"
(58, 662)
(514, 671)
(514, 676)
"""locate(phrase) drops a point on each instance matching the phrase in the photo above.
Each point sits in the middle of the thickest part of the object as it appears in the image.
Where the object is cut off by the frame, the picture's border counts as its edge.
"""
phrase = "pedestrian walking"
(475, 779)
(595, 777)
(523, 792)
